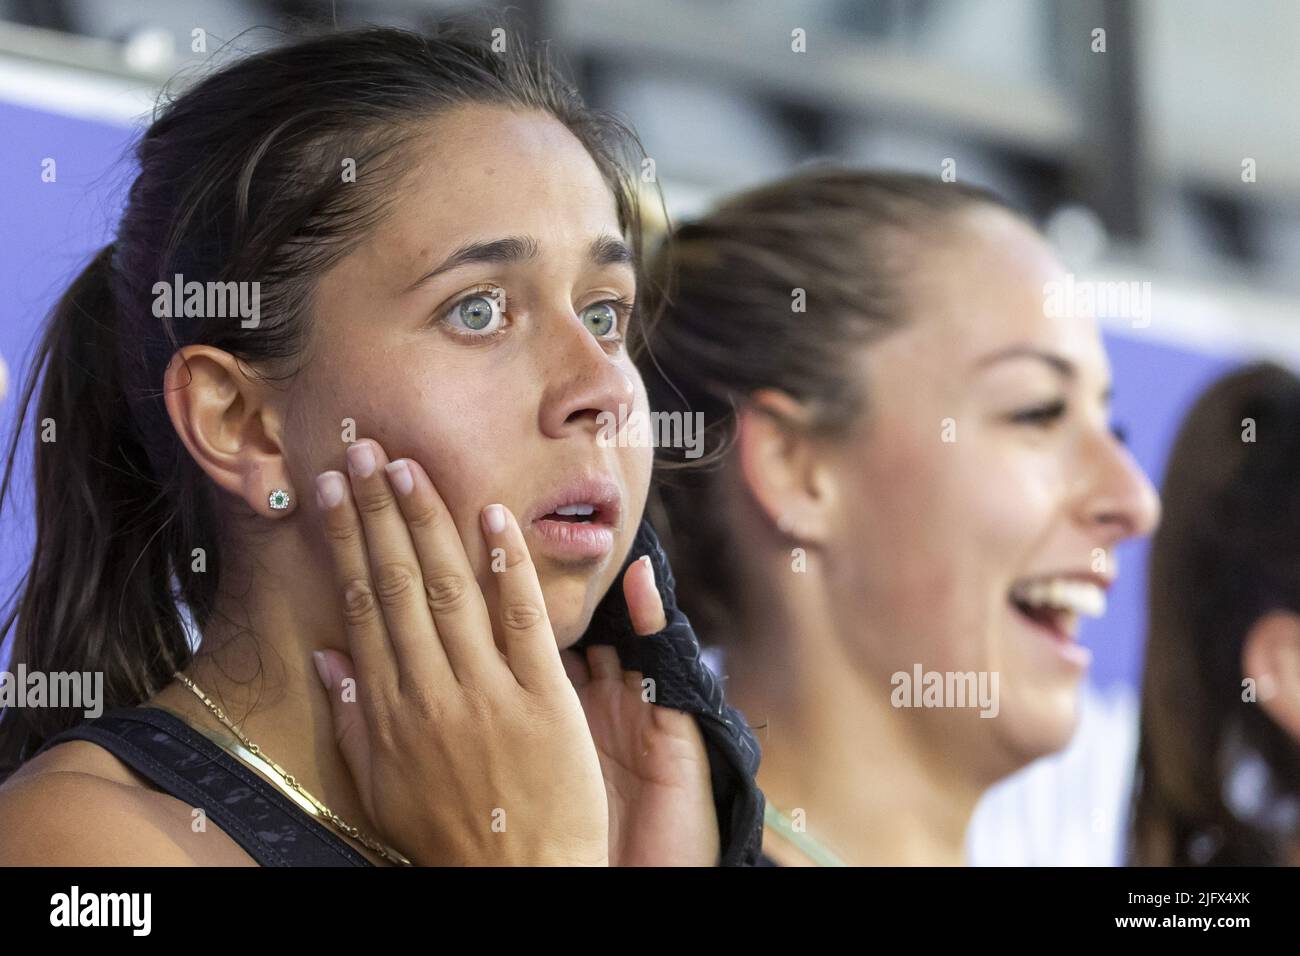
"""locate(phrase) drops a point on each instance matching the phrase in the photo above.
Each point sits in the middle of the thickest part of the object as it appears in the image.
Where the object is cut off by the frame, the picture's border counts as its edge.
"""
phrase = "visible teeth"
(583, 509)
(1081, 597)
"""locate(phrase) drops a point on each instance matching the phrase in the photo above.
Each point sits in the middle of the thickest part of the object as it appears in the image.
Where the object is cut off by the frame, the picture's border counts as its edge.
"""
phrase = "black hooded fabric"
(671, 658)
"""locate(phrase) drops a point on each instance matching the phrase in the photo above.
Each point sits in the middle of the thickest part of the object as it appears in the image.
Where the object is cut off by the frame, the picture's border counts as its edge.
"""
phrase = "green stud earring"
(278, 500)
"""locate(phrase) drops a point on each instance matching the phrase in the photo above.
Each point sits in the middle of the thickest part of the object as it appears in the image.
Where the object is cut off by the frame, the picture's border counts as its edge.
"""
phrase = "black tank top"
(182, 762)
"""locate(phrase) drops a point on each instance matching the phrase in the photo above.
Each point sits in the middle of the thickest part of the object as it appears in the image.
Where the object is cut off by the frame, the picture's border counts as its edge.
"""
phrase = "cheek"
(463, 426)
(904, 509)
(637, 465)
(1016, 504)
(935, 533)
(467, 432)
(892, 555)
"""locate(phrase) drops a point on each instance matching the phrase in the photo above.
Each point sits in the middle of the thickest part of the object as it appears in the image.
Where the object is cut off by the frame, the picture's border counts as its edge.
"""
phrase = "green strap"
(819, 854)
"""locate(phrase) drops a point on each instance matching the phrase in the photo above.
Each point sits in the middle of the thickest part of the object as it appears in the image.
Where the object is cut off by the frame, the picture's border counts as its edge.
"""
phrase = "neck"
(870, 791)
(254, 662)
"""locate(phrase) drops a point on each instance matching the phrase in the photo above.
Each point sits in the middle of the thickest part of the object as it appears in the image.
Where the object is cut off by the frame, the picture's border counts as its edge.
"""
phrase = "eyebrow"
(1061, 365)
(604, 250)
(609, 250)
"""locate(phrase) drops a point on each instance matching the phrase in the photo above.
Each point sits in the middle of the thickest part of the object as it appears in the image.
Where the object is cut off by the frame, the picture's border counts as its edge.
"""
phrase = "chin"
(566, 637)
(1043, 726)
(570, 605)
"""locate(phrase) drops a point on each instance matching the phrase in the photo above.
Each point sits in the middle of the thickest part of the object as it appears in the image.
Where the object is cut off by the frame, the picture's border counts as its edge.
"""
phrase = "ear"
(226, 422)
(782, 465)
(1271, 655)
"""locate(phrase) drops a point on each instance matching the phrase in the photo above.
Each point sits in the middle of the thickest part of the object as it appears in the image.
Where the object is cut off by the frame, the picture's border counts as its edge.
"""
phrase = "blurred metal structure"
(1016, 90)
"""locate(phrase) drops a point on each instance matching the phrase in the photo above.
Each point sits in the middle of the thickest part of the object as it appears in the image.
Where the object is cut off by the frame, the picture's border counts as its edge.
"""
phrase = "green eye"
(600, 318)
(481, 312)
(476, 312)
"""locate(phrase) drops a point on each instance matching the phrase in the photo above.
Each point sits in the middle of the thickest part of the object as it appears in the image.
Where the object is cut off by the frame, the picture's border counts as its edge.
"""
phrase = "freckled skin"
(504, 420)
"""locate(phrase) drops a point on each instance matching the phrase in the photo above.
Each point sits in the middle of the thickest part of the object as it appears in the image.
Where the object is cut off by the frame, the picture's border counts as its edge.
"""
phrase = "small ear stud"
(278, 500)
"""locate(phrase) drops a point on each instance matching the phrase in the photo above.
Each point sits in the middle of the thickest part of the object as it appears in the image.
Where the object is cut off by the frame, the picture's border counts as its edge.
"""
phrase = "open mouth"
(1055, 604)
(585, 513)
(578, 523)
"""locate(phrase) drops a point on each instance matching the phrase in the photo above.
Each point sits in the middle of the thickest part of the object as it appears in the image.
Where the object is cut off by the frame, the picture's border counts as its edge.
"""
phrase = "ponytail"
(229, 189)
(96, 597)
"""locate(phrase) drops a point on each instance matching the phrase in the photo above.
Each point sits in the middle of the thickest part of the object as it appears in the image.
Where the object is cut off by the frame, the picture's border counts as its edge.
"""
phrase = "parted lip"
(594, 488)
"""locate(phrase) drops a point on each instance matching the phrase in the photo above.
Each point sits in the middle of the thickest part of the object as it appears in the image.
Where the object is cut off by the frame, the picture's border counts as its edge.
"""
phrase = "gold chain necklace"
(253, 755)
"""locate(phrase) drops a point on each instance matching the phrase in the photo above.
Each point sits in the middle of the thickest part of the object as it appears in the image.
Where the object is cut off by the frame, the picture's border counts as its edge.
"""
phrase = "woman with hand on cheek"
(433, 624)
(914, 475)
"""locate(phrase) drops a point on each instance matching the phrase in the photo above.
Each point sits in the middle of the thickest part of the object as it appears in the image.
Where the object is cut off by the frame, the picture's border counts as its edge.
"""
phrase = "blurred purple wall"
(48, 230)
(1155, 385)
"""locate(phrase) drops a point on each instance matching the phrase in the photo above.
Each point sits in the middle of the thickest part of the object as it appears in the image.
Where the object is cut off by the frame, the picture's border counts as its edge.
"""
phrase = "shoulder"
(77, 805)
(81, 756)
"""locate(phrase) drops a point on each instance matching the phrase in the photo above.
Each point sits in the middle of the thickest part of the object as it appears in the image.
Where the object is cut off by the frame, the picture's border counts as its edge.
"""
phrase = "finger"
(575, 668)
(530, 647)
(363, 621)
(395, 571)
(644, 605)
(349, 722)
(604, 662)
(460, 614)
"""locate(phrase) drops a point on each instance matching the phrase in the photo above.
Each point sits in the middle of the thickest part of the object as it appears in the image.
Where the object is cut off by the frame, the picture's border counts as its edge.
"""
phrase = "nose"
(1120, 501)
(586, 388)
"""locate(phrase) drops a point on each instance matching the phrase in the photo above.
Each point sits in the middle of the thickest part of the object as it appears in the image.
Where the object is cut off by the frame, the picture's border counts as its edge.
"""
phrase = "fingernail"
(323, 669)
(494, 519)
(329, 489)
(361, 459)
(399, 473)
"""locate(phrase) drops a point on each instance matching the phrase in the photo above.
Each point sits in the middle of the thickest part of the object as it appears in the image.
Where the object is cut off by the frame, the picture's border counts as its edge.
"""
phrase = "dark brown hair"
(1226, 553)
(721, 295)
(240, 178)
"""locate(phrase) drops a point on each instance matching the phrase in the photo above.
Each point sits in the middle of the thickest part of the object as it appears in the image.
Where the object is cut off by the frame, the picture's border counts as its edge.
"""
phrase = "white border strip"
(74, 92)
(1219, 317)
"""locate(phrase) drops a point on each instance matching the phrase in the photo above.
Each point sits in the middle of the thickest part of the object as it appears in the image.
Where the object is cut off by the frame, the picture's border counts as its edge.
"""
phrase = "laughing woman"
(432, 626)
(912, 473)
